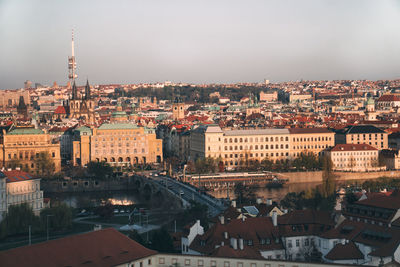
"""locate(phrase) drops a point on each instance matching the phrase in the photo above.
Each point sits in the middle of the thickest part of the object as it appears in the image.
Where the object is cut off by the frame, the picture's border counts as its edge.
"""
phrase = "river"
(276, 194)
(93, 199)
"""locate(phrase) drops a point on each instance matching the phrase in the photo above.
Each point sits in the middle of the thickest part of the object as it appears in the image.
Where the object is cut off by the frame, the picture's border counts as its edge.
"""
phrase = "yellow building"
(310, 140)
(120, 144)
(236, 146)
(178, 109)
(20, 146)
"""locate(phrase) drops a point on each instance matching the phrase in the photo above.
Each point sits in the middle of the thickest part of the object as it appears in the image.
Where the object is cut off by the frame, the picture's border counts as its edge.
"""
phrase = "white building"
(17, 187)
(354, 157)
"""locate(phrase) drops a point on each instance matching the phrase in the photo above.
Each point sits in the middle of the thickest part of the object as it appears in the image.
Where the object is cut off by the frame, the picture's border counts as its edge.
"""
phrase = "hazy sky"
(199, 41)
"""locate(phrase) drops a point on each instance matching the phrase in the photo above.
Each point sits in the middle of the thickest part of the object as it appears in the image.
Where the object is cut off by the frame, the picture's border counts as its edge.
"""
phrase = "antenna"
(71, 62)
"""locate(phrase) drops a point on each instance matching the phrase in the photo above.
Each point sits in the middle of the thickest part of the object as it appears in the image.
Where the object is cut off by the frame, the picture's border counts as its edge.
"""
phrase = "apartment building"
(21, 145)
(119, 144)
(17, 187)
(354, 157)
(363, 134)
(235, 146)
(310, 140)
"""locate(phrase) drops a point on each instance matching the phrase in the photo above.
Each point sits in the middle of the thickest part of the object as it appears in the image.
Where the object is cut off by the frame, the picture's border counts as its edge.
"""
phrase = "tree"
(61, 216)
(162, 241)
(196, 211)
(100, 169)
(17, 220)
(44, 164)
(245, 194)
(328, 179)
(134, 235)
(106, 211)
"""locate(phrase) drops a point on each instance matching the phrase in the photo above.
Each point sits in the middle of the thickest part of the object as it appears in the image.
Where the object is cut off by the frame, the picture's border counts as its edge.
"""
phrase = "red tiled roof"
(17, 176)
(347, 251)
(105, 247)
(352, 147)
(388, 98)
(60, 110)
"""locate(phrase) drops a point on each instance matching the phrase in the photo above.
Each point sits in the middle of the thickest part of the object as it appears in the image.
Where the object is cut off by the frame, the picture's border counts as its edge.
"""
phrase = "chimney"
(259, 200)
(222, 219)
(234, 243)
(243, 218)
(233, 203)
(226, 235)
(241, 246)
(274, 218)
(269, 202)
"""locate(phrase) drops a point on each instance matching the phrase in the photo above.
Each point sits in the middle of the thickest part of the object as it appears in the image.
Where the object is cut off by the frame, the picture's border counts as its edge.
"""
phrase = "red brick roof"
(60, 110)
(389, 98)
(353, 147)
(105, 247)
(347, 251)
(17, 176)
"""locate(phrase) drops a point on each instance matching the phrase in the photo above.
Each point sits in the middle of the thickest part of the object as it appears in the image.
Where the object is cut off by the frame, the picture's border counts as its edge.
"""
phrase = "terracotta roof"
(60, 110)
(347, 251)
(105, 247)
(382, 201)
(229, 252)
(388, 98)
(353, 147)
(16, 176)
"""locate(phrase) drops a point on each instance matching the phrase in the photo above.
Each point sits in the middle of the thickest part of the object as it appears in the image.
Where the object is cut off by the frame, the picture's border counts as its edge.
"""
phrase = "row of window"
(120, 151)
(213, 263)
(27, 155)
(256, 147)
(276, 139)
(364, 136)
(256, 139)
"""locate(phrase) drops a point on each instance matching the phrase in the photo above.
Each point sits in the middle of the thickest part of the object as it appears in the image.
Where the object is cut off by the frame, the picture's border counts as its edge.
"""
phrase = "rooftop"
(105, 247)
(19, 131)
(117, 126)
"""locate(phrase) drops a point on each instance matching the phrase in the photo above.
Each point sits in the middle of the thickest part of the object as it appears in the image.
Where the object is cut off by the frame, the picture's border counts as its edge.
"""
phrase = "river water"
(93, 199)
(276, 194)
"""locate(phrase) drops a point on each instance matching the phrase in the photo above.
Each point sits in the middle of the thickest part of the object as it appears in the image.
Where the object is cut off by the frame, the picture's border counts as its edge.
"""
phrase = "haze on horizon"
(199, 41)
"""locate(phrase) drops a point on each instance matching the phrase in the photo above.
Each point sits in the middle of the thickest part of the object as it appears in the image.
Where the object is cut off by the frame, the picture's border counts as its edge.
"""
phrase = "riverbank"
(316, 177)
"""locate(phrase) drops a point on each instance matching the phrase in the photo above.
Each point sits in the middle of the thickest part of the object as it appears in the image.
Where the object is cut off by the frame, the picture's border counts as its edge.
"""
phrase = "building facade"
(18, 187)
(363, 134)
(354, 157)
(119, 144)
(20, 147)
(235, 146)
(82, 108)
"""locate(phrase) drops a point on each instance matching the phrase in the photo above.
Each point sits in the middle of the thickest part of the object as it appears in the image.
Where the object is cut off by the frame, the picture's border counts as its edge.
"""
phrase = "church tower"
(178, 109)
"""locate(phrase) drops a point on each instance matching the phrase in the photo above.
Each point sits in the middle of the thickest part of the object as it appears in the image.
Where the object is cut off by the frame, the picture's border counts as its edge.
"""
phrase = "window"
(200, 262)
(213, 263)
(240, 264)
(187, 262)
(226, 263)
(161, 261)
(297, 242)
(149, 262)
(289, 243)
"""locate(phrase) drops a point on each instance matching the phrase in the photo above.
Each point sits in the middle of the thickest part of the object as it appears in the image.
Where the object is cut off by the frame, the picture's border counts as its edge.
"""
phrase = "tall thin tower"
(72, 63)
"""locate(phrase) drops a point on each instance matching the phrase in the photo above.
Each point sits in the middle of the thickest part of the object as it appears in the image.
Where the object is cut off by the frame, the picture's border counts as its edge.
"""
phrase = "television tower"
(72, 63)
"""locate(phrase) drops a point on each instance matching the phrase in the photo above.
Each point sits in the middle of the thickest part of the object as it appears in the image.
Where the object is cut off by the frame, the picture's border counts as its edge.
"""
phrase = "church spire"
(74, 91)
(87, 90)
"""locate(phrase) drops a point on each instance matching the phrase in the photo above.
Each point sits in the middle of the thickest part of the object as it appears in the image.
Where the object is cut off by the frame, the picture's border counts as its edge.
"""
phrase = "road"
(190, 193)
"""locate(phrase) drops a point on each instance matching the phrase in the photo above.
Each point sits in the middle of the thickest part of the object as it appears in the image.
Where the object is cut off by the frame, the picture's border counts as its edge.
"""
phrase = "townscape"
(245, 174)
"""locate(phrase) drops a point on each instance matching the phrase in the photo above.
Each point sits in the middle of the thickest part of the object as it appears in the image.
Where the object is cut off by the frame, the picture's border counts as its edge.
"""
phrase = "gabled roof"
(353, 147)
(16, 176)
(348, 251)
(387, 98)
(60, 110)
(100, 248)
(360, 129)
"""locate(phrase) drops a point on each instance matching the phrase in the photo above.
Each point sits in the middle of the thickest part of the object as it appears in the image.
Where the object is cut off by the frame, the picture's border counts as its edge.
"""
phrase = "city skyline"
(138, 42)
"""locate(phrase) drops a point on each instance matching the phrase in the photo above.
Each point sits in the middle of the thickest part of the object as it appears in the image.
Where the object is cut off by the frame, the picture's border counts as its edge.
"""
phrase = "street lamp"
(47, 219)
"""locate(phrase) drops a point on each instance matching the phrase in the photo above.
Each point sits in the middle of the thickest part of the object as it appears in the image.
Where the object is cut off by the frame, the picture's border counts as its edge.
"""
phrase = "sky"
(198, 41)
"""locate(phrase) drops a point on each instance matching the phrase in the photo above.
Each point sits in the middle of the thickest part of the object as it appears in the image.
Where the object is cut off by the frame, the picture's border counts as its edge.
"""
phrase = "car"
(182, 193)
